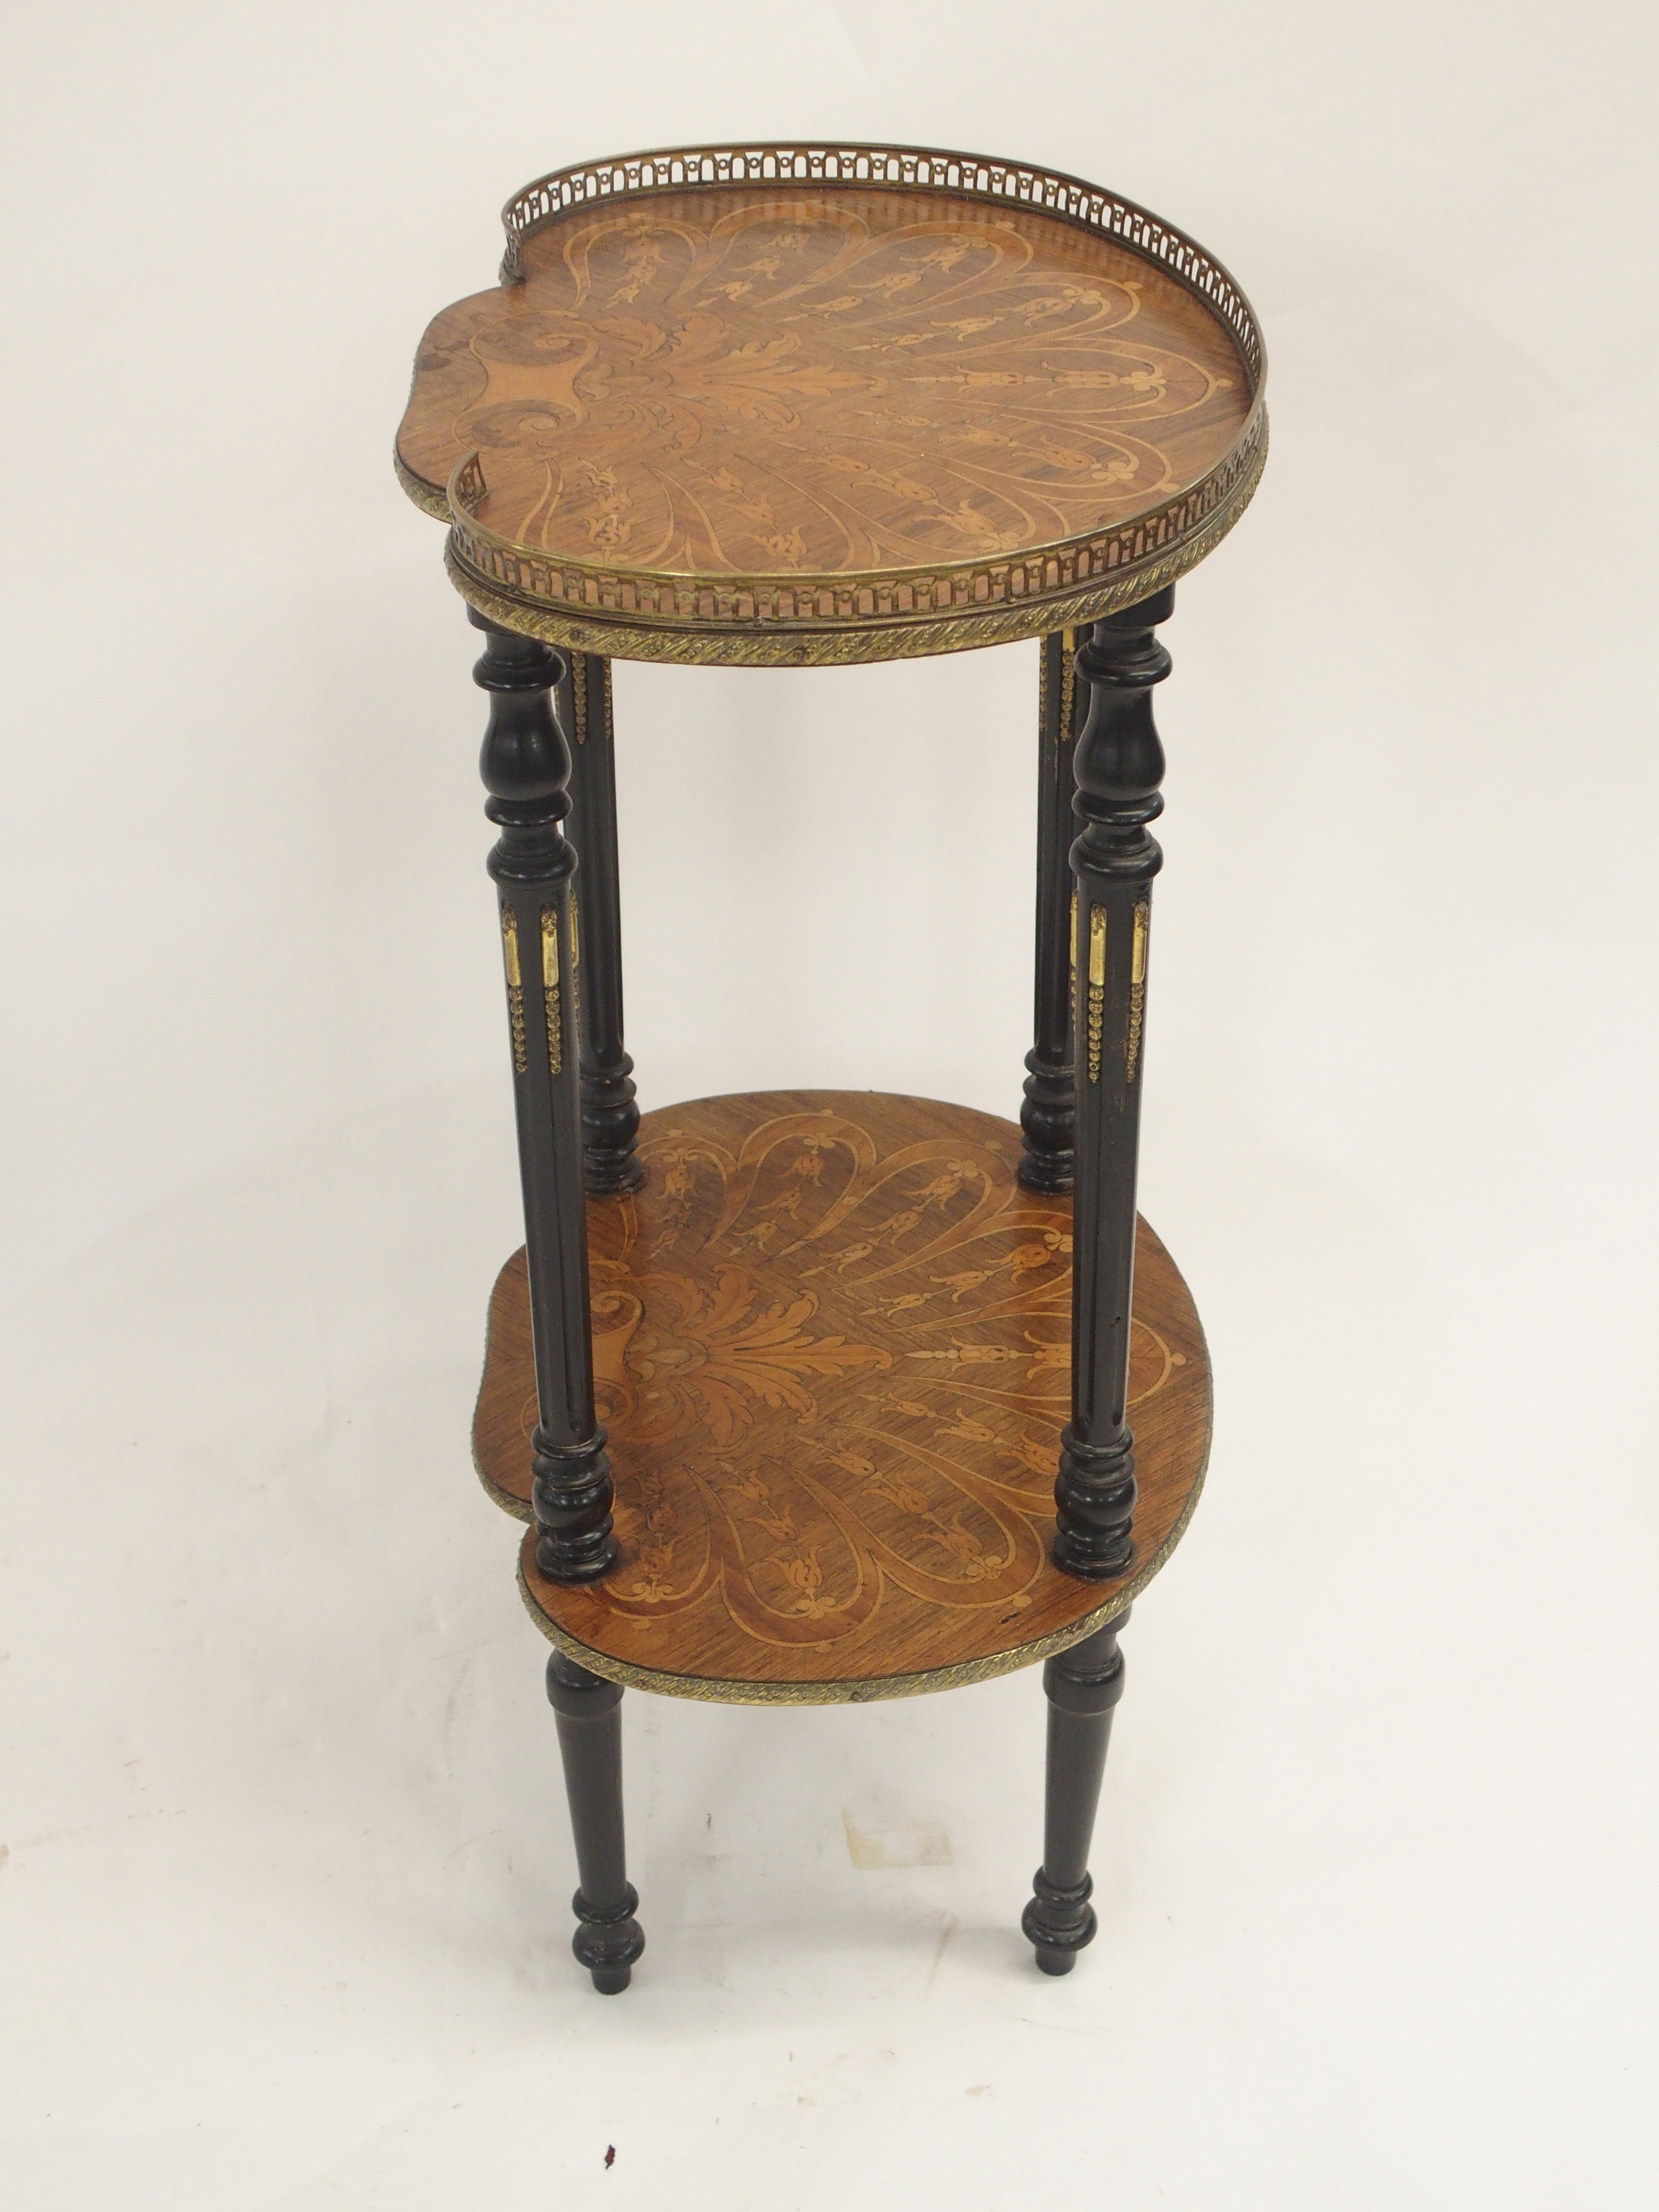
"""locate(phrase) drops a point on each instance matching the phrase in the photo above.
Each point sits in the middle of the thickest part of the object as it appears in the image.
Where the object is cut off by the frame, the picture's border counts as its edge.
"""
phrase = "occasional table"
(812, 1396)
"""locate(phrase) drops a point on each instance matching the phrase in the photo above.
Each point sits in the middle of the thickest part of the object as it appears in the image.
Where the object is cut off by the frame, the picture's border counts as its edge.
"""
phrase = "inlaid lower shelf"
(832, 1345)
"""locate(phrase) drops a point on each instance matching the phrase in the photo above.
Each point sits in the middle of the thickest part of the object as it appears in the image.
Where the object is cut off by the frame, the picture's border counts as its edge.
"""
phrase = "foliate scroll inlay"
(831, 1350)
(515, 988)
(748, 397)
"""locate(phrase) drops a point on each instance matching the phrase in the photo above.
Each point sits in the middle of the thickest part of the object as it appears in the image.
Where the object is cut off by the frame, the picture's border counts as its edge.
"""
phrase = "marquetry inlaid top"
(832, 1352)
(807, 417)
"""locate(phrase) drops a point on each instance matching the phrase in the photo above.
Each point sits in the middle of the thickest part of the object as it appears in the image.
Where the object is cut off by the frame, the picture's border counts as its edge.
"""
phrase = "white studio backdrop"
(283, 1861)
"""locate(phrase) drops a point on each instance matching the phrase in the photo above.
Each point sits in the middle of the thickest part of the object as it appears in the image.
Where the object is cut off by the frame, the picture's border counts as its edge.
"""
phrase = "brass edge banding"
(509, 1503)
(431, 499)
(772, 608)
(827, 645)
(870, 1689)
(1042, 690)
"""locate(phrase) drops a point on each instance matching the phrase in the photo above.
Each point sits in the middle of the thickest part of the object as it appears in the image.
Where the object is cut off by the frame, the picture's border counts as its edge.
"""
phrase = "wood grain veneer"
(831, 1349)
(768, 422)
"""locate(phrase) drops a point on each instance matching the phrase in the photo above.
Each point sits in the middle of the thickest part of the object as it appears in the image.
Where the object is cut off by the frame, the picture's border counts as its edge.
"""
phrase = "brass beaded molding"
(798, 620)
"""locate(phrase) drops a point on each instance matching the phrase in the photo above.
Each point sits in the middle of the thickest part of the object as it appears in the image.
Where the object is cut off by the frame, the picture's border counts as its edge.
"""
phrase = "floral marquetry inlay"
(744, 408)
(831, 1341)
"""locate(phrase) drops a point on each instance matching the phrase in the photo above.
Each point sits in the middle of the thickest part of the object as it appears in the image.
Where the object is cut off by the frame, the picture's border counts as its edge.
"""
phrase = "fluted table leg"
(524, 765)
(1119, 766)
(610, 1119)
(1048, 1118)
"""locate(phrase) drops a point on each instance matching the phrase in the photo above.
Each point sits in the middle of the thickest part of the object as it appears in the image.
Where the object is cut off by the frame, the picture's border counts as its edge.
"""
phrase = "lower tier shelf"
(831, 1349)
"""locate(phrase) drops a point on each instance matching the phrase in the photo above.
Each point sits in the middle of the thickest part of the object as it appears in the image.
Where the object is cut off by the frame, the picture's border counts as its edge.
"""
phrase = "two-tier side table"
(823, 1396)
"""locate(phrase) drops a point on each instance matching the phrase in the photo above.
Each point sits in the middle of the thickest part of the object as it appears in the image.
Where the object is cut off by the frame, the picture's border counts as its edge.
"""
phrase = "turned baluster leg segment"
(1083, 1686)
(610, 1119)
(588, 1710)
(525, 766)
(1119, 766)
(1047, 1117)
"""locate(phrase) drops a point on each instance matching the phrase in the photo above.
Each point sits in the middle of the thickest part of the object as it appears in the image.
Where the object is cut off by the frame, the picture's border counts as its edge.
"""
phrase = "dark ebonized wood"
(1119, 765)
(588, 1711)
(524, 765)
(610, 1118)
(1048, 1119)
(1083, 1686)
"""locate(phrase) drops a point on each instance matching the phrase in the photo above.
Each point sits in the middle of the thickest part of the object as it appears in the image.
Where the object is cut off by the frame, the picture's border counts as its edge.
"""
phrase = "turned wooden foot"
(608, 1938)
(1083, 1686)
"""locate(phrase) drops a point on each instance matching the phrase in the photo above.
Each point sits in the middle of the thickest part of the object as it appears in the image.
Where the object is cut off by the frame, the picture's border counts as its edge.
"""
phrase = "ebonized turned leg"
(1083, 1684)
(607, 1940)
(1048, 1117)
(1119, 766)
(524, 765)
(610, 1119)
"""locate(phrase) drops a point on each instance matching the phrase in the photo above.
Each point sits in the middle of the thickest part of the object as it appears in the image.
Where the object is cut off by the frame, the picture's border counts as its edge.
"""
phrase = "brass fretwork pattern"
(758, 406)
(906, 169)
(515, 988)
(831, 1344)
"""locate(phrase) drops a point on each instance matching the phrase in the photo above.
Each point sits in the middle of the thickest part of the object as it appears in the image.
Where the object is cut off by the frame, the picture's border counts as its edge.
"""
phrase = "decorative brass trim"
(1067, 683)
(515, 988)
(610, 724)
(1136, 986)
(866, 1690)
(550, 988)
(579, 695)
(898, 168)
(829, 646)
(1097, 987)
(1073, 971)
(426, 496)
(1042, 690)
(806, 620)
(576, 960)
(770, 620)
